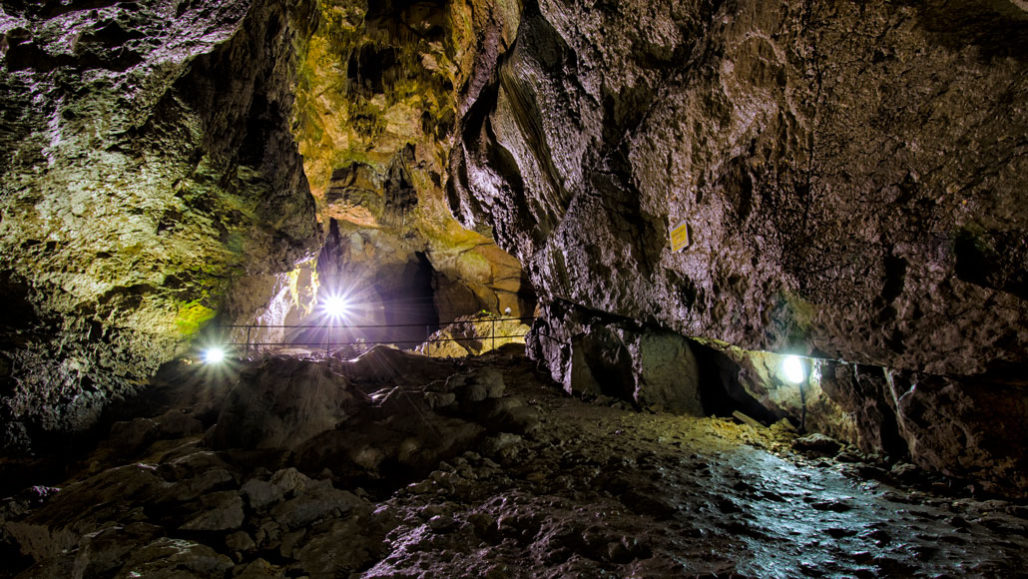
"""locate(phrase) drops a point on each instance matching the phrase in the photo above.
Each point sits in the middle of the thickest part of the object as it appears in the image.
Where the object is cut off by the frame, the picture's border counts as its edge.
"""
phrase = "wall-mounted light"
(793, 369)
(214, 355)
(335, 306)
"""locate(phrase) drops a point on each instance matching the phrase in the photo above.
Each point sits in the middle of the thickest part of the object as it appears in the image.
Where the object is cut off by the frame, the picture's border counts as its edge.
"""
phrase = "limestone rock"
(668, 377)
(379, 96)
(845, 181)
(219, 511)
(597, 356)
(474, 335)
(817, 444)
(167, 558)
(317, 501)
(348, 546)
(79, 509)
(104, 551)
(283, 403)
(259, 569)
(827, 192)
(147, 162)
(965, 431)
(287, 482)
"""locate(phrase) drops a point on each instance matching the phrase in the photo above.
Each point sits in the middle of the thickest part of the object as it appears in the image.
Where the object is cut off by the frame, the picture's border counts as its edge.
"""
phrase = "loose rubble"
(481, 468)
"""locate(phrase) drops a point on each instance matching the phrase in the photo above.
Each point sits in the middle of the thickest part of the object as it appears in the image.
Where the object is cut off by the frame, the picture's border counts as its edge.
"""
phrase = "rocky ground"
(401, 466)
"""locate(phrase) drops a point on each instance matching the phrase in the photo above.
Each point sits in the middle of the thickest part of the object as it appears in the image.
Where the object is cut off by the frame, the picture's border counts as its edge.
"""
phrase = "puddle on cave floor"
(586, 491)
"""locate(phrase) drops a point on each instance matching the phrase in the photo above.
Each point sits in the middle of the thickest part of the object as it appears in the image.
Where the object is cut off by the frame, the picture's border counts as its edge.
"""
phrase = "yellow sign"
(680, 237)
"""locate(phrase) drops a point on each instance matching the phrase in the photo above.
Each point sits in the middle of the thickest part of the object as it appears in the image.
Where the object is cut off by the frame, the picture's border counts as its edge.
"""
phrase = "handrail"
(373, 326)
(332, 339)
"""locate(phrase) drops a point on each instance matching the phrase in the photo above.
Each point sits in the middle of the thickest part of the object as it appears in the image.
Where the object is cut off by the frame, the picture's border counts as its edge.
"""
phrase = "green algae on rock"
(138, 189)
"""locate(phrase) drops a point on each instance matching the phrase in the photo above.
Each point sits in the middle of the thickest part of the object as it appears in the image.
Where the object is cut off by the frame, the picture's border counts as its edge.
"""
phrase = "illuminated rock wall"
(147, 168)
(851, 177)
(377, 105)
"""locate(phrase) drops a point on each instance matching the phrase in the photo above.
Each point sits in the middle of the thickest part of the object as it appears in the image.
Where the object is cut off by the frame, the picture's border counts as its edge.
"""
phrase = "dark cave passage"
(392, 303)
(409, 305)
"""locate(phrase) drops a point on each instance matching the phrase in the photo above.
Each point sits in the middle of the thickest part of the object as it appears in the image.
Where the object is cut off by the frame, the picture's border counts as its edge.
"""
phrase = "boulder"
(168, 558)
(651, 367)
(282, 403)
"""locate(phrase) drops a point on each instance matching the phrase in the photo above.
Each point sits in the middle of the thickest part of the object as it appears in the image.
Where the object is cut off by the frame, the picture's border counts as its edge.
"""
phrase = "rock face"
(147, 169)
(850, 177)
(620, 358)
(475, 335)
(377, 94)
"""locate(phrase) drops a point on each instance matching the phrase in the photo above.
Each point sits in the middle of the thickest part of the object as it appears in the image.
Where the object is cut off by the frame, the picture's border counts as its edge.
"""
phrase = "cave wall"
(377, 98)
(149, 180)
(850, 174)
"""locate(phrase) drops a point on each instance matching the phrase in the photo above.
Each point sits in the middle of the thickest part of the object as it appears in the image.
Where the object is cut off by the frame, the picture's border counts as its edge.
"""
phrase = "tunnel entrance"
(409, 301)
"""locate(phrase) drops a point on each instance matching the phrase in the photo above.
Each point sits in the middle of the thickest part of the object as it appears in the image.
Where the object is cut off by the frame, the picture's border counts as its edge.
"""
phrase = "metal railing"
(334, 336)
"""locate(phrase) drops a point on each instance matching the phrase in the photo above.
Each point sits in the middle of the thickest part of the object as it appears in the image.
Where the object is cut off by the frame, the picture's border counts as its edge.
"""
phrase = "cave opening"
(409, 301)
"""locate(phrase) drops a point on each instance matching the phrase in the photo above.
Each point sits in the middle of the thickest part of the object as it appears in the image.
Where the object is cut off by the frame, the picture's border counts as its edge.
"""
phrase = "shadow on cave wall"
(997, 27)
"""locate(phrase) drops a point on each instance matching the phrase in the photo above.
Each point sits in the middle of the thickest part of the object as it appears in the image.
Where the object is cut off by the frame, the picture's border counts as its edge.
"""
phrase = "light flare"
(793, 370)
(214, 355)
(336, 306)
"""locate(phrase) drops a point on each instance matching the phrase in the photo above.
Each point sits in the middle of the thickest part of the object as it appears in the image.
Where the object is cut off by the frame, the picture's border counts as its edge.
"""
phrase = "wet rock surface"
(493, 472)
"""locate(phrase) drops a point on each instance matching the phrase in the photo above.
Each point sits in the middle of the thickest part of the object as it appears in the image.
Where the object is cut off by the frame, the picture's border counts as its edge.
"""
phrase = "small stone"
(846, 456)
(838, 532)
(259, 569)
(817, 444)
(833, 505)
(440, 399)
(420, 488)
(320, 500)
(240, 541)
(167, 557)
(442, 523)
(484, 525)
(260, 493)
(879, 536)
(220, 511)
(903, 471)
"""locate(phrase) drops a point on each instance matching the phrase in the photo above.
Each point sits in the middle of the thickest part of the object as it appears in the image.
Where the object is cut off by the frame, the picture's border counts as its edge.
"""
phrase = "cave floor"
(589, 490)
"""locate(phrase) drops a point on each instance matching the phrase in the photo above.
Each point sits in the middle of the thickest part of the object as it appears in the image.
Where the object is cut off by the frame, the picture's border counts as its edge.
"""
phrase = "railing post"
(248, 328)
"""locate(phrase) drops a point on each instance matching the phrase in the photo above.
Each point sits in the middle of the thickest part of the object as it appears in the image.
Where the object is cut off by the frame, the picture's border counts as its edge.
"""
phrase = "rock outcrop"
(378, 96)
(147, 168)
(841, 180)
(475, 335)
(859, 198)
